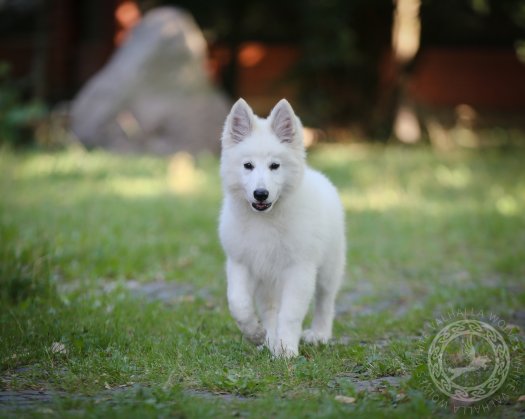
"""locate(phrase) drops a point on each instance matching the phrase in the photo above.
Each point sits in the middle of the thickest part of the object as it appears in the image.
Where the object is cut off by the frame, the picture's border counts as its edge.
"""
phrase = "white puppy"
(282, 228)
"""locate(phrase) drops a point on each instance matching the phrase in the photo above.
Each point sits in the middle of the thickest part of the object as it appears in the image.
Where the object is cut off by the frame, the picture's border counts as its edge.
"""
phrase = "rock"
(154, 95)
(345, 399)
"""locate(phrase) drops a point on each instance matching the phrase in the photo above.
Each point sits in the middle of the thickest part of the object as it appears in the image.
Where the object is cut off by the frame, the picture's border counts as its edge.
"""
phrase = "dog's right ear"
(239, 123)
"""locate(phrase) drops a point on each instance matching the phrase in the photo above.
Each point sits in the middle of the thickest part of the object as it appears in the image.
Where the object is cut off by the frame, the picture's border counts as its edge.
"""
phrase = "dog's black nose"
(260, 194)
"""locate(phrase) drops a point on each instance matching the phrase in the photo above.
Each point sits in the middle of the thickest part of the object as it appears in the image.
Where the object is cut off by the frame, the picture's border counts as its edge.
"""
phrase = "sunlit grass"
(426, 233)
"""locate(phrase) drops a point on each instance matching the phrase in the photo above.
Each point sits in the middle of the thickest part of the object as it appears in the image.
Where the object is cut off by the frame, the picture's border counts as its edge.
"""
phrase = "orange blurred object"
(251, 54)
(127, 16)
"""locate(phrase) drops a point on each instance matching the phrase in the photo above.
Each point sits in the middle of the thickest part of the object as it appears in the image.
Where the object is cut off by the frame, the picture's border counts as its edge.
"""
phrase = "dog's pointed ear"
(284, 122)
(239, 123)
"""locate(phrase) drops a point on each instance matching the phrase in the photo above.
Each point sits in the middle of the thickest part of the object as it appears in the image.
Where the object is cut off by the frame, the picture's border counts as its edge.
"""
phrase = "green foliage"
(485, 23)
(18, 117)
(338, 72)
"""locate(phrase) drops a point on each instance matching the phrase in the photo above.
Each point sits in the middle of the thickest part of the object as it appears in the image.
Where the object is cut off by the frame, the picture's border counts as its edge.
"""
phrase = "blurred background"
(111, 272)
(448, 72)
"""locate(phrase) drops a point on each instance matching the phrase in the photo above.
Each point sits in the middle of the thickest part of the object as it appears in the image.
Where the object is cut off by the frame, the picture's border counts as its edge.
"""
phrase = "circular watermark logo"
(469, 363)
(468, 360)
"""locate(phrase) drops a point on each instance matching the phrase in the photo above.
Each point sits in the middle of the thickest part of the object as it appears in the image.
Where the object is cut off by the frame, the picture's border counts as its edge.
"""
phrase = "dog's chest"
(266, 249)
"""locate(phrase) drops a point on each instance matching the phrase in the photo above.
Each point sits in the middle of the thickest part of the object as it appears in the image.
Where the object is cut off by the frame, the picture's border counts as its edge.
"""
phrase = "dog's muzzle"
(261, 195)
(260, 206)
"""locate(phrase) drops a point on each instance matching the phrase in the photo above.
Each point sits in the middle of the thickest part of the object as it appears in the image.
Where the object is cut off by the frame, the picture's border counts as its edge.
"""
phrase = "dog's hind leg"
(327, 285)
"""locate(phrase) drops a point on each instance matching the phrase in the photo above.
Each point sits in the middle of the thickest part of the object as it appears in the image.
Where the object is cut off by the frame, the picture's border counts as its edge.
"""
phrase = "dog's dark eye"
(274, 166)
(248, 166)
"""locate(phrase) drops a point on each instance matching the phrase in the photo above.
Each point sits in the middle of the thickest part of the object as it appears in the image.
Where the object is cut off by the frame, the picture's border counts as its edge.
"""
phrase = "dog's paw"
(316, 338)
(286, 352)
(258, 336)
(282, 349)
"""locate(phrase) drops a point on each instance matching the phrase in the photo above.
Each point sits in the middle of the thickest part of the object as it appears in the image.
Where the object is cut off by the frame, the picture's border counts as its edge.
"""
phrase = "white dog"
(282, 228)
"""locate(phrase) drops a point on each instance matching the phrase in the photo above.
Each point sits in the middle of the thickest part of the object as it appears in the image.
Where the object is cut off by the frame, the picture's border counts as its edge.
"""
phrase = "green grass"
(427, 235)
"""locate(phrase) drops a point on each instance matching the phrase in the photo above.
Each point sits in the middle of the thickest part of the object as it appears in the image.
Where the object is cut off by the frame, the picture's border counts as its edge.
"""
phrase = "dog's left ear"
(284, 122)
(239, 123)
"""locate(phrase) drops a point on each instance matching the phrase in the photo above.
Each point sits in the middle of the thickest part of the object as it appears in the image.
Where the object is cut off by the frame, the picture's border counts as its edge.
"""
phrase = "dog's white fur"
(278, 257)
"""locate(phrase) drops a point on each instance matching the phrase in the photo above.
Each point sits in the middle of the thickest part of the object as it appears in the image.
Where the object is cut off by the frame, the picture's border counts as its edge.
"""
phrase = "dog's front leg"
(241, 302)
(297, 291)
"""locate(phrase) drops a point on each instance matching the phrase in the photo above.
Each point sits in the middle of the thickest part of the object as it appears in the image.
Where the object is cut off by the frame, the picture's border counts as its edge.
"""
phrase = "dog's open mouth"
(259, 206)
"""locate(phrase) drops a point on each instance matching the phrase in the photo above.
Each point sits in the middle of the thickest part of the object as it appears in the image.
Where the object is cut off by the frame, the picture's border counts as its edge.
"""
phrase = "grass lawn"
(112, 287)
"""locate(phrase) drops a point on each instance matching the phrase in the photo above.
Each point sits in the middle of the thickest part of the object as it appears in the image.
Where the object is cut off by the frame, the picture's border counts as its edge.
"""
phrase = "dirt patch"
(373, 385)
(12, 401)
(24, 399)
(364, 300)
(168, 292)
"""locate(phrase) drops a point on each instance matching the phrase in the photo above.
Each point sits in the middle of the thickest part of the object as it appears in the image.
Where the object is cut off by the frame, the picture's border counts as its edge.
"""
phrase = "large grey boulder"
(154, 94)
